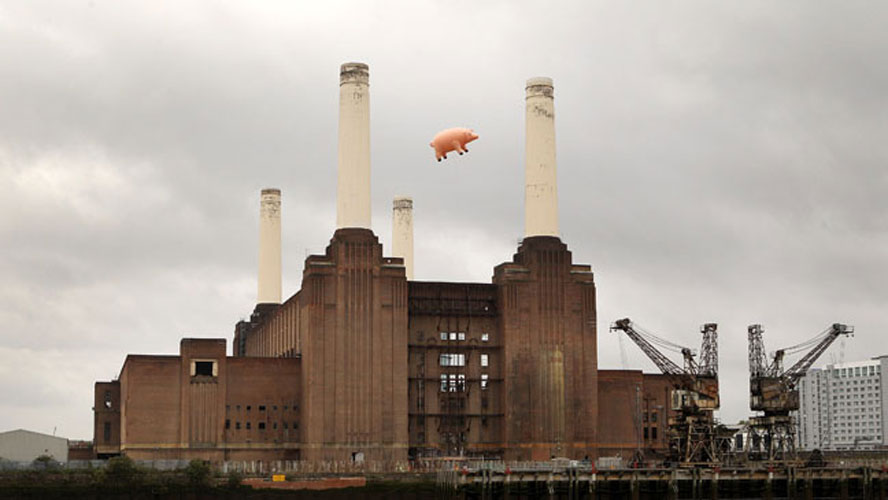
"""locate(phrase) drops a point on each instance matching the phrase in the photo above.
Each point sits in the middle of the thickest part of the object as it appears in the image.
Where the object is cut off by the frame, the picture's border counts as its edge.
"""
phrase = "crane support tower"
(693, 436)
(774, 392)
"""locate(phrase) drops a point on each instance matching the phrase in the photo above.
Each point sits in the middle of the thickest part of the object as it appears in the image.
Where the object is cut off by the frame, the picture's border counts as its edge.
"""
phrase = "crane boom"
(798, 370)
(694, 395)
(663, 363)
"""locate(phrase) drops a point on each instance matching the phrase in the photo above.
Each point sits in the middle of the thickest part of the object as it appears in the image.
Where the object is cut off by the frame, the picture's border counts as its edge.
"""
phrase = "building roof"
(16, 431)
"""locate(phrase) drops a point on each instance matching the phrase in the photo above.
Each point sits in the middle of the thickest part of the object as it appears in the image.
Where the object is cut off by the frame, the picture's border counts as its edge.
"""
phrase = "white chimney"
(540, 180)
(269, 247)
(402, 231)
(353, 192)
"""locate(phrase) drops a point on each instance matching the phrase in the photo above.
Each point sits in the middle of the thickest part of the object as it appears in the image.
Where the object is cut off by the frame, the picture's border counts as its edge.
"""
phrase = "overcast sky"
(718, 162)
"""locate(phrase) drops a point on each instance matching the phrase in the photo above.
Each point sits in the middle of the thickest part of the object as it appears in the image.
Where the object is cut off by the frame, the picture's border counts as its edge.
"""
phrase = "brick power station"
(363, 363)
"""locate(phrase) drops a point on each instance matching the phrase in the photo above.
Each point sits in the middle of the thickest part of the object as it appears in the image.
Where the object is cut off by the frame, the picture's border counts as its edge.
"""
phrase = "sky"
(718, 162)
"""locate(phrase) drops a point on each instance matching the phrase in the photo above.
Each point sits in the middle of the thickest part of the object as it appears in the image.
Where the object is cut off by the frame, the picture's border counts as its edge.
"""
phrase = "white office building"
(844, 406)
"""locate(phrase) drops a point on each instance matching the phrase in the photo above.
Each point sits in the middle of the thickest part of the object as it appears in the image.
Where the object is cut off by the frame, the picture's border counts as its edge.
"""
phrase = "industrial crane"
(774, 391)
(693, 439)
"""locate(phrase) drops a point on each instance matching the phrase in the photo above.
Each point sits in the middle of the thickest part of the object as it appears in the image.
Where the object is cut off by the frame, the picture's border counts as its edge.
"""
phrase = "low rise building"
(24, 446)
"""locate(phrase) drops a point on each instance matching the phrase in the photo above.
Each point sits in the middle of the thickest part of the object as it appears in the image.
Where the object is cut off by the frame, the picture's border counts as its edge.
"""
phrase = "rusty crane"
(773, 391)
(693, 438)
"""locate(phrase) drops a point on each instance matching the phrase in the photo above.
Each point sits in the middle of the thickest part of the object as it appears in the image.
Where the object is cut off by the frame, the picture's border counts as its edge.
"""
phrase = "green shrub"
(198, 473)
(122, 470)
(235, 479)
(45, 462)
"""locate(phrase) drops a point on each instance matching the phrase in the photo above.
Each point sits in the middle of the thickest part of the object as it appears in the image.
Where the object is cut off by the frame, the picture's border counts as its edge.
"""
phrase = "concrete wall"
(24, 446)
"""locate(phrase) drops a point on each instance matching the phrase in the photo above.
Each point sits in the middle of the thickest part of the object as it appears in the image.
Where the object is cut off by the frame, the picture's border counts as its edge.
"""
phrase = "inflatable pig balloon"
(452, 139)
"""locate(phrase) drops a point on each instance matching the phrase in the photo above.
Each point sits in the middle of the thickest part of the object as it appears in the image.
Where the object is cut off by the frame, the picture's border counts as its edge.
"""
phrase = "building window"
(646, 433)
(274, 426)
(485, 337)
(653, 433)
(485, 360)
(261, 407)
(237, 425)
(285, 425)
(203, 368)
(261, 426)
(227, 424)
(453, 382)
(249, 407)
(107, 432)
(108, 399)
(452, 360)
(484, 381)
(248, 425)
(461, 335)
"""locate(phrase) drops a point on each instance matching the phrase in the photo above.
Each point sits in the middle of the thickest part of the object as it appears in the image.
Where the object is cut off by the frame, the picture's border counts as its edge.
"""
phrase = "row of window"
(456, 382)
(460, 360)
(854, 372)
(260, 425)
(485, 337)
(295, 407)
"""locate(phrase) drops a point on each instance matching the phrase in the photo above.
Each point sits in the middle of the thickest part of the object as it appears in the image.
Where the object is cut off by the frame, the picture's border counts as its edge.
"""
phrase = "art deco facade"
(362, 363)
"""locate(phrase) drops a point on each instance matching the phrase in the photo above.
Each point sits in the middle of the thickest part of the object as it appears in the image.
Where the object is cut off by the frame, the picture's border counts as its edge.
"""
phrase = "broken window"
(453, 382)
(203, 368)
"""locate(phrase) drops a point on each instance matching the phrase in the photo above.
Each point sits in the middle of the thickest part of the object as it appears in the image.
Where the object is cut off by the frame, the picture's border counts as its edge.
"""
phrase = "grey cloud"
(717, 162)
